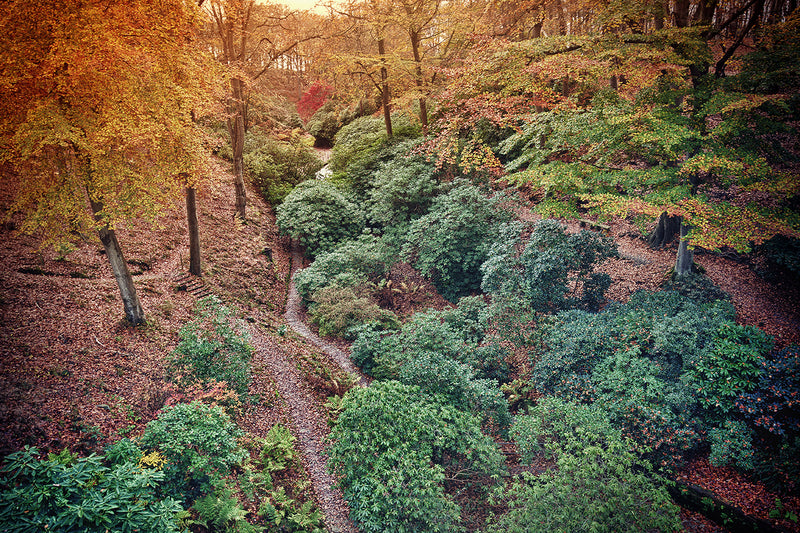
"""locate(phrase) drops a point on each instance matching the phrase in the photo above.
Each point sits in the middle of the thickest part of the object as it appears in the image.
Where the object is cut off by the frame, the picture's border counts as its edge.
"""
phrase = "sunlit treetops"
(101, 102)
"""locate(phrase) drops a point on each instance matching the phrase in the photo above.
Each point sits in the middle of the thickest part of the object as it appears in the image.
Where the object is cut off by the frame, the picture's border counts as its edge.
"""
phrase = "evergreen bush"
(71, 494)
(213, 347)
(597, 484)
(393, 447)
(200, 445)
(450, 243)
(320, 216)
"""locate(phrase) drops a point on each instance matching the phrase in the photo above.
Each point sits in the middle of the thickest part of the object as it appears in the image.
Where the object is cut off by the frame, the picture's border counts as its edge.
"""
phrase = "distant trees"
(248, 37)
(97, 118)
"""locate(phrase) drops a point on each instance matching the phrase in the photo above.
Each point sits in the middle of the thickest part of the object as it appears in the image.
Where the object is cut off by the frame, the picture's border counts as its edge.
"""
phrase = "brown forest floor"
(73, 374)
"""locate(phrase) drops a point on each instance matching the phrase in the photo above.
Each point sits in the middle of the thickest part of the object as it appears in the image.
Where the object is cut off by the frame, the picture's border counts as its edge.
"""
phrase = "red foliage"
(314, 98)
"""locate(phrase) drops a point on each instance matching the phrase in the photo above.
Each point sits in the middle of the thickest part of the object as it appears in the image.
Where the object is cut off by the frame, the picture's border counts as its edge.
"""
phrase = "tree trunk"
(666, 230)
(236, 130)
(237, 141)
(681, 13)
(130, 302)
(194, 232)
(420, 81)
(387, 112)
(685, 259)
(705, 12)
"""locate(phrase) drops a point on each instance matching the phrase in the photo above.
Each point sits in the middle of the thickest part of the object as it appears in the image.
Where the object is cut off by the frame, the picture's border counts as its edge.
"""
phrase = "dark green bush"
(320, 216)
(659, 414)
(553, 272)
(450, 243)
(732, 368)
(324, 124)
(213, 347)
(69, 494)
(458, 384)
(455, 334)
(277, 166)
(635, 360)
(402, 188)
(393, 447)
(199, 443)
(697, 287)
(350, 264)
(597, 485)
(358, 144)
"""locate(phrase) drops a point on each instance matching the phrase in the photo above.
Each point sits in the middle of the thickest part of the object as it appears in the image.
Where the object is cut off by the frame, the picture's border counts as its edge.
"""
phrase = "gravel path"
(310, 428)
(307, 423)
(296, 323)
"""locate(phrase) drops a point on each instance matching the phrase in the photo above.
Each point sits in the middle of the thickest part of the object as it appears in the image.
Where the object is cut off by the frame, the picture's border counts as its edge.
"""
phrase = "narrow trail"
(310, 428)
(296, 323)
(307, 423)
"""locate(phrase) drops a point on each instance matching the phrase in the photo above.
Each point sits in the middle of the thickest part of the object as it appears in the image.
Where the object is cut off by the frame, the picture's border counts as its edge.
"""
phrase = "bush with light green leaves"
(393, 447)
(597, 483)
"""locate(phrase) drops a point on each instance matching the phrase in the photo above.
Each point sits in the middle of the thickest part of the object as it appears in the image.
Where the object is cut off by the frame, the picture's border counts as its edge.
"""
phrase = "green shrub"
(319, 215)
(597, 485)
(324, 124)
(213, 347)
(657, 413)
(393, 447)
(554, 270)
(632, 359)
(336, 310)
(199, 443)
(732, 368)
(277, 166)
(451, 334)
(402, 188)
(69, 494)
(359, 147)
(699, 288)
(458, 385)
(450, 243)
(350, 264)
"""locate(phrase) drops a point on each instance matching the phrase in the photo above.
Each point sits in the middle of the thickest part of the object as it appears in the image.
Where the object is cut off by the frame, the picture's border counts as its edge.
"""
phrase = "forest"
(400, 266)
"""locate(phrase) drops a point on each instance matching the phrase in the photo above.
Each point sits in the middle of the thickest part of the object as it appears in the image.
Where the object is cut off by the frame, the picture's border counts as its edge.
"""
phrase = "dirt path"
(307, 423)
(296, 323)
(310, 428)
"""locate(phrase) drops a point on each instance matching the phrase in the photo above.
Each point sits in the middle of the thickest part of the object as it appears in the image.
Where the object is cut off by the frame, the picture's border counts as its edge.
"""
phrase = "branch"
(719, 68)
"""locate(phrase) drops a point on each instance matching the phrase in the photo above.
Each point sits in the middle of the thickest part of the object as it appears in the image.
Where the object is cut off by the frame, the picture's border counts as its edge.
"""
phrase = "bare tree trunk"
(387, 111)
(194, 232)
(236, 127)
(681, 13)
(420, 81)
(236, 130)
(666, 230)
(130, 301)
(705, 12)
(685, 258)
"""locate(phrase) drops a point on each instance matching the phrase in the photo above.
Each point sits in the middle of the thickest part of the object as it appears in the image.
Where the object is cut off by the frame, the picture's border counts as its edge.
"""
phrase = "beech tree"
(249, 38)
(97, 116)
(632, 124)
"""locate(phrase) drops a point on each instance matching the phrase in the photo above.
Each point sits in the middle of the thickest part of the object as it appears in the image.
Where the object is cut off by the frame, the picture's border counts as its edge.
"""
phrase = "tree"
(662, 136)
(97, 121)
(250, 38)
